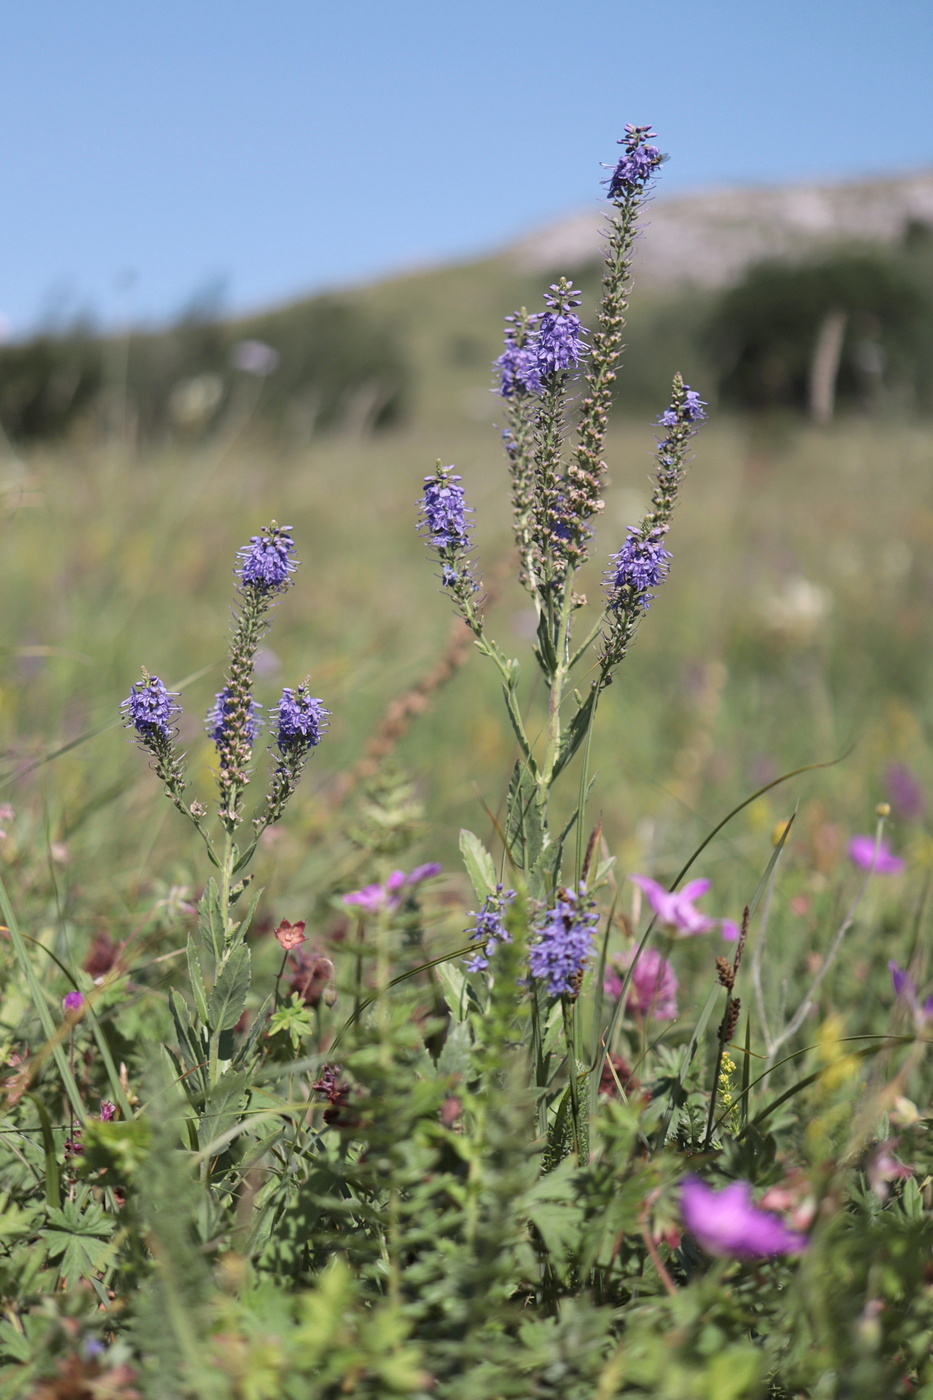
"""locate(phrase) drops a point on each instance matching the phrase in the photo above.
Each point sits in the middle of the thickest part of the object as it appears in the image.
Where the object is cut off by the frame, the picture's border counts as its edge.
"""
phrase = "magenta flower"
(71, 1002)
(675, 908)
(726, 1223)
(905, 990)
(652, 991)
(862, 853)
(372, 898)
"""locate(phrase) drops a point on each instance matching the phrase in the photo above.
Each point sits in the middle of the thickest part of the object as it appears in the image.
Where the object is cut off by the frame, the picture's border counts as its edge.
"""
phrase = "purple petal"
(424, 872)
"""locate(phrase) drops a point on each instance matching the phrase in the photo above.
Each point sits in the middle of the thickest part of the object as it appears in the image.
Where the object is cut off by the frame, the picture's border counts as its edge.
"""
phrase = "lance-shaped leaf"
(525, 831)
(229, 993)
(210, 920)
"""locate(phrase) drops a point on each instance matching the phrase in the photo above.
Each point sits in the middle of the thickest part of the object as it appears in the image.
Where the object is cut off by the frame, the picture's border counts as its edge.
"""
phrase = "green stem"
(569, 1008)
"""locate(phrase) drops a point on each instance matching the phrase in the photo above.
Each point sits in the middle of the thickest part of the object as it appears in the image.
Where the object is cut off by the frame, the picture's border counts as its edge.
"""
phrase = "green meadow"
(447, 1227)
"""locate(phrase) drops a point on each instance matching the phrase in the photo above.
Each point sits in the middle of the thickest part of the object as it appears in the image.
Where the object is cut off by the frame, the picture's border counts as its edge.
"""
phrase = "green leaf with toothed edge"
(229, 993)
(210, 920)
(196, 978)
(479, 864)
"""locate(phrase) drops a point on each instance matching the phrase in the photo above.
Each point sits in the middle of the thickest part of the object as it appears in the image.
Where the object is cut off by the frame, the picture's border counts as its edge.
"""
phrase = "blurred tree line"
(852, 328)
(319, 365)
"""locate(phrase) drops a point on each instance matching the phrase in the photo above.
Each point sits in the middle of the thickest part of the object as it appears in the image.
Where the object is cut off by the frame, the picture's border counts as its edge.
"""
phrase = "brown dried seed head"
(726, 973)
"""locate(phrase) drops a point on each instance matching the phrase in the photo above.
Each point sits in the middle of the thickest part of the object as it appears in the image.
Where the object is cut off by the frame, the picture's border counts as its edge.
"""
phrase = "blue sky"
(158, 154)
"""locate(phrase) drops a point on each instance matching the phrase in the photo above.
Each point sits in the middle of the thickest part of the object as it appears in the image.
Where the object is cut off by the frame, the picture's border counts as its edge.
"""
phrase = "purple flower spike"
(150, 709)
(489, 928)
(727, 1224)
(565, 941)
(652, 991)
(267, 560)
(862, 853)
(640, 565)
(637, 166)
(559, 340)
(71, 1002)
(675, 908)
(691, 411)
(217, 717)
(444, 509)
(301, 721)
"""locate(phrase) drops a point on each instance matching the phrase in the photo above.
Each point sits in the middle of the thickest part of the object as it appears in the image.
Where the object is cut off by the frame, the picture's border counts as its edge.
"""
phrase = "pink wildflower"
(862, 853)
(652, 991)
(372, 898)
(726, 1223)
(675, 908)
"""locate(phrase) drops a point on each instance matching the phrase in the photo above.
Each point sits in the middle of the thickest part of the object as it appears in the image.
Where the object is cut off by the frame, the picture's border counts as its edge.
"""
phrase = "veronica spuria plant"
(555, 377)
(219, 959)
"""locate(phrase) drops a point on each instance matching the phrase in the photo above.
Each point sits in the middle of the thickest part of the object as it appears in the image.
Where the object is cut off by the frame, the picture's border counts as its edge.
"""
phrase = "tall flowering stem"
(557, 470)
(219, 958)
(642, 562)
(301, 720)
(264, 573)
(150, 711)
(629, 188)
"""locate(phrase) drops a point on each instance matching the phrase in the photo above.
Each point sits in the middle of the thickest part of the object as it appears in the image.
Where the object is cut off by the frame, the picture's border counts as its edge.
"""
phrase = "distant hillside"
(419, 346)
(708, 239)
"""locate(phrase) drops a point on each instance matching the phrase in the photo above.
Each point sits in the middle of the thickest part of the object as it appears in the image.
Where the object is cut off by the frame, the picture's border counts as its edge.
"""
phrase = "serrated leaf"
(210, 922)
(479, 864)
(229, 993)
(223, 1107)
(196, 978)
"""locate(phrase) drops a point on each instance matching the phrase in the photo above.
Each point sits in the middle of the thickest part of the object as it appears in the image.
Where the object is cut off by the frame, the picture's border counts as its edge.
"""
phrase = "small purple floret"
(149, 709)
(72, 1001)
(267, 561)
(389, 895)
(726, 1223)
(301, 721)
(692, 410)
(218, 717)
(565, 941)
